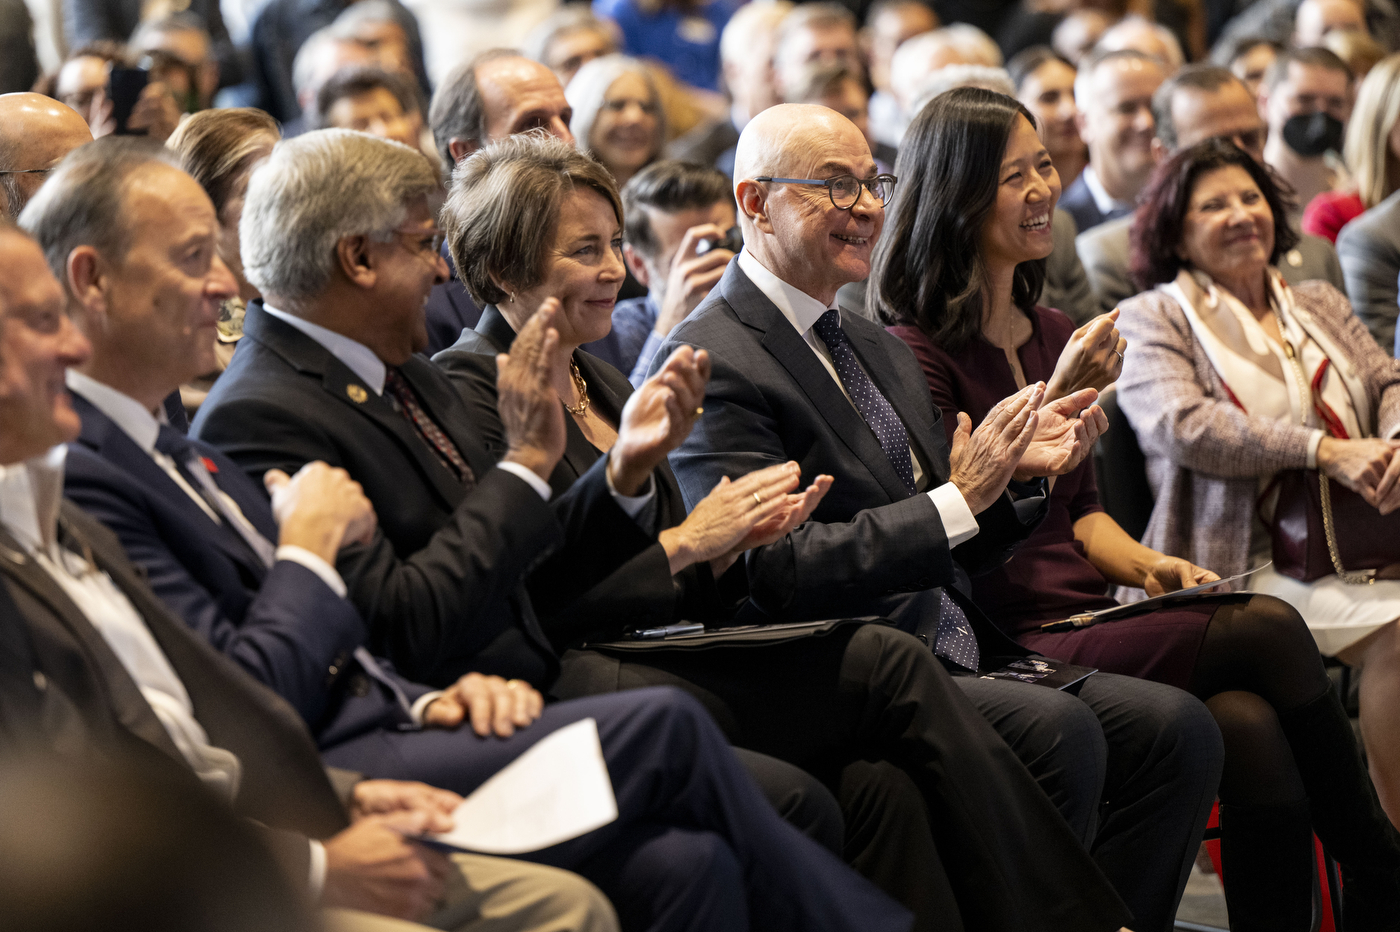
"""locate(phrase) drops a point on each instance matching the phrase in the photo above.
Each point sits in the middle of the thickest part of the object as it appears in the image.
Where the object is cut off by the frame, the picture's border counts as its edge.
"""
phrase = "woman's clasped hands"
(1369, 467)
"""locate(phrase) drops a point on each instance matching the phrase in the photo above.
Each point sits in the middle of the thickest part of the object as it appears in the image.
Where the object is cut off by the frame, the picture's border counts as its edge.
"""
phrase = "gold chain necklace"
(582, 387)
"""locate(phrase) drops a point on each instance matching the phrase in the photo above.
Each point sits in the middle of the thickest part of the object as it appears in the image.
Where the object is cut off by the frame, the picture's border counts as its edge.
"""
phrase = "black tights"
(1257, 660)
(1291, 767)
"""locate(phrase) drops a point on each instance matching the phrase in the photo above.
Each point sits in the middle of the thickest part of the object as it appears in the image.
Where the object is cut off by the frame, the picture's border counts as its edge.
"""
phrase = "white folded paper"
(557, 790)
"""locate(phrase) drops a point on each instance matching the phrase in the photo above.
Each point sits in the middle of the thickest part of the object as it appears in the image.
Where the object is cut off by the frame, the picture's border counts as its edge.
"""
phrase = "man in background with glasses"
(35, 133)
(1132, 766)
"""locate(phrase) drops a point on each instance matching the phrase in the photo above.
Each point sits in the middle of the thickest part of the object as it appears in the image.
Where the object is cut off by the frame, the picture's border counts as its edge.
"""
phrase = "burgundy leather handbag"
(1320, 528)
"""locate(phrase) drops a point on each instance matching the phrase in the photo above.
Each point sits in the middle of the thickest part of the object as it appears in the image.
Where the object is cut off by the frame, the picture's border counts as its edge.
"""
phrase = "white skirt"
(1338, 615)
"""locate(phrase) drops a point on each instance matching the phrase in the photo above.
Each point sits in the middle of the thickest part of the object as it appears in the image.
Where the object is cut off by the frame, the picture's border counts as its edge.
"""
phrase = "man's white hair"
(316, 189)
(913, 61)
(1122, 35)
(945, 79)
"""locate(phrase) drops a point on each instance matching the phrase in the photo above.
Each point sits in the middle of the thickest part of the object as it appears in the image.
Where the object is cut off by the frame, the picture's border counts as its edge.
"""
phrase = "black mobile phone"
(124, 87)
(733, 241)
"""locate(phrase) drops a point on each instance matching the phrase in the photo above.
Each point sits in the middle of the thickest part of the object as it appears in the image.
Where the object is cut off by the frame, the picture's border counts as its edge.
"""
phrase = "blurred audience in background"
(570, 39)
(1045, 85)
(617, 115)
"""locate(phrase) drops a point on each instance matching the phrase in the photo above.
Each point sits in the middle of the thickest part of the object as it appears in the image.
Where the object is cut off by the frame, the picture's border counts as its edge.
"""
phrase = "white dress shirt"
(362, 361)
(802, 311)
(1105, 202)
(30, 495)
(143, 427)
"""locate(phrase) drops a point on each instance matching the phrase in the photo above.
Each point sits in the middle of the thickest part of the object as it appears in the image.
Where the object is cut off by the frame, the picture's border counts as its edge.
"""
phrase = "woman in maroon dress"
(956, 275)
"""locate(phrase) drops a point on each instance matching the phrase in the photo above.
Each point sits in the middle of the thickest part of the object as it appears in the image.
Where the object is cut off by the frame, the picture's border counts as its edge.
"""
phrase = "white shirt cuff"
(421, 704)
(1314, 442)
(959, 524)
(632, 505)
(532, 480)
(316, 875)
(315, 564)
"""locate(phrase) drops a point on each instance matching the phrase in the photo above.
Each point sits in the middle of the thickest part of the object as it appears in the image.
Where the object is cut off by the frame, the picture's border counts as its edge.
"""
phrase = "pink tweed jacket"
(1205, 455)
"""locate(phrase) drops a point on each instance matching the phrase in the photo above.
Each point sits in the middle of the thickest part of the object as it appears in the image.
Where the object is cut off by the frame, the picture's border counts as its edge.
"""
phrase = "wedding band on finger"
(757, 499)
(514, 684)
(1119, 355)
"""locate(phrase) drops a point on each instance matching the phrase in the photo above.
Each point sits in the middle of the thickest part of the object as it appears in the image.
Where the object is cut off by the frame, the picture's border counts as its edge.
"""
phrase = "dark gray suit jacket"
(869, 542)
(1104, 252)
(1369, 249)
(89, 701)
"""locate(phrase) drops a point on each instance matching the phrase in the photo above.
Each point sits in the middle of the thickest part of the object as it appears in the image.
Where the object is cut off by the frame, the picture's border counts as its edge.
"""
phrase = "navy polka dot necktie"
(953, 638)
(873, 406)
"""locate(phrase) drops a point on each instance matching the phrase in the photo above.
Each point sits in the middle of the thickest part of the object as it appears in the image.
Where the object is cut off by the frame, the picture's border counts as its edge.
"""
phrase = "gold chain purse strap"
(1362, 577)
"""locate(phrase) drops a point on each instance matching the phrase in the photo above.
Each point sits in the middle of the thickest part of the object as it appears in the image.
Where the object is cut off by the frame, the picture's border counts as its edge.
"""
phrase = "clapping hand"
(982, 461)
(1093, 358)
(657, 418)
(528, 403)
(1069, 427)
(754, 510)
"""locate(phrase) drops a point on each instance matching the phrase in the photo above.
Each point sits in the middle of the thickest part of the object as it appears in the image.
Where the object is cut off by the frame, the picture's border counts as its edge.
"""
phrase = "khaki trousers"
(499, 895)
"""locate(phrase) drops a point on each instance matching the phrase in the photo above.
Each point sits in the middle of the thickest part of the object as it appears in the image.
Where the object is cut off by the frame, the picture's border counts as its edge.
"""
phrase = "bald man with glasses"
(36, 132)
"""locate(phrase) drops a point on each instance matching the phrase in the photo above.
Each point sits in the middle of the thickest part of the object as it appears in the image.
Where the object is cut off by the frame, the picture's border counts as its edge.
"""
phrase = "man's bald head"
(771, 143)
(36, 132)
(795, 230)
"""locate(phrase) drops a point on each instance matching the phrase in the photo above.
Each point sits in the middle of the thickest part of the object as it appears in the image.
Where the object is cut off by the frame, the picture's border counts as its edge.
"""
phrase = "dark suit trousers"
(1132, 765)
(873, 693)
(696, 846)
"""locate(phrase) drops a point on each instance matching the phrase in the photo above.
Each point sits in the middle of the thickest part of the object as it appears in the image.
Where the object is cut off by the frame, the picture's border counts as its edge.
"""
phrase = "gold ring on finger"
(757, 499)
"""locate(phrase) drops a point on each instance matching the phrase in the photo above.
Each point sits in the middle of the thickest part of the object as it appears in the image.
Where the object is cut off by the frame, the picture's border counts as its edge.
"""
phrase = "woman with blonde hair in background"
(220, 149)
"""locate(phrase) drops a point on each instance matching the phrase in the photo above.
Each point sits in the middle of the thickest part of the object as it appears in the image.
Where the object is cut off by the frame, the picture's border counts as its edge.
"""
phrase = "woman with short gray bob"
(618, 117)
(531, 218)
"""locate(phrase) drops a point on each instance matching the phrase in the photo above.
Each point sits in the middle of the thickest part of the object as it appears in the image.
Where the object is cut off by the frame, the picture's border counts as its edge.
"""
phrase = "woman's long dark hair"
(926, 269)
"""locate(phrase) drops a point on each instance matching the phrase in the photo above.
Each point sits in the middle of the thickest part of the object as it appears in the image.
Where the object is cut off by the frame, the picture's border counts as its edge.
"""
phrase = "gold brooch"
(357, 393)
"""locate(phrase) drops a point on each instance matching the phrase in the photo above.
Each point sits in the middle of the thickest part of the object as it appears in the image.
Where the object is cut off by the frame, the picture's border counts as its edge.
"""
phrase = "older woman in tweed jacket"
(1204, 453)
(1217, 387)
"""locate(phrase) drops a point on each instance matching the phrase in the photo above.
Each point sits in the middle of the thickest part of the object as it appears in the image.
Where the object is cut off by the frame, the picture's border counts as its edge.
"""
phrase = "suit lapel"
(878, 364)
(443, 404)
(306, 355)
(102, 435)
(793, 354)
(283, 783)
(124, 698)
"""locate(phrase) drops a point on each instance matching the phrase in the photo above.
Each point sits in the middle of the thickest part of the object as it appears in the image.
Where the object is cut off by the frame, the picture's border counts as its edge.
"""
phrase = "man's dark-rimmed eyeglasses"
(844, 190)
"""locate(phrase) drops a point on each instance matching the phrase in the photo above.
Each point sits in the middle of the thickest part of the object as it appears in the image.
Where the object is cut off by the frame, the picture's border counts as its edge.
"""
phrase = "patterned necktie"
(953, 638)
(873, 406)
(178, 447)
(447, 453)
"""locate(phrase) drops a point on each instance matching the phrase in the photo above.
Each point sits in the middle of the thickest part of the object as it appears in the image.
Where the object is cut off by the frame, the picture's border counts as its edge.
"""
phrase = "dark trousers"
(1152, 752)
(695, 846)
(872, 693)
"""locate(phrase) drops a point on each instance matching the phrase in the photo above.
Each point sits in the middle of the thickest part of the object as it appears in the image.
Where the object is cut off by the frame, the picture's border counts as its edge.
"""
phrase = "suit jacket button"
(359, 685)
(41, 682)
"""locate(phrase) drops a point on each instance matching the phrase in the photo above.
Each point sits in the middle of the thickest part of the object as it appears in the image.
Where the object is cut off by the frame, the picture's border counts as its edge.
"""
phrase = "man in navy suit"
(907, 519)
(695, 845)
(1114, 93)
